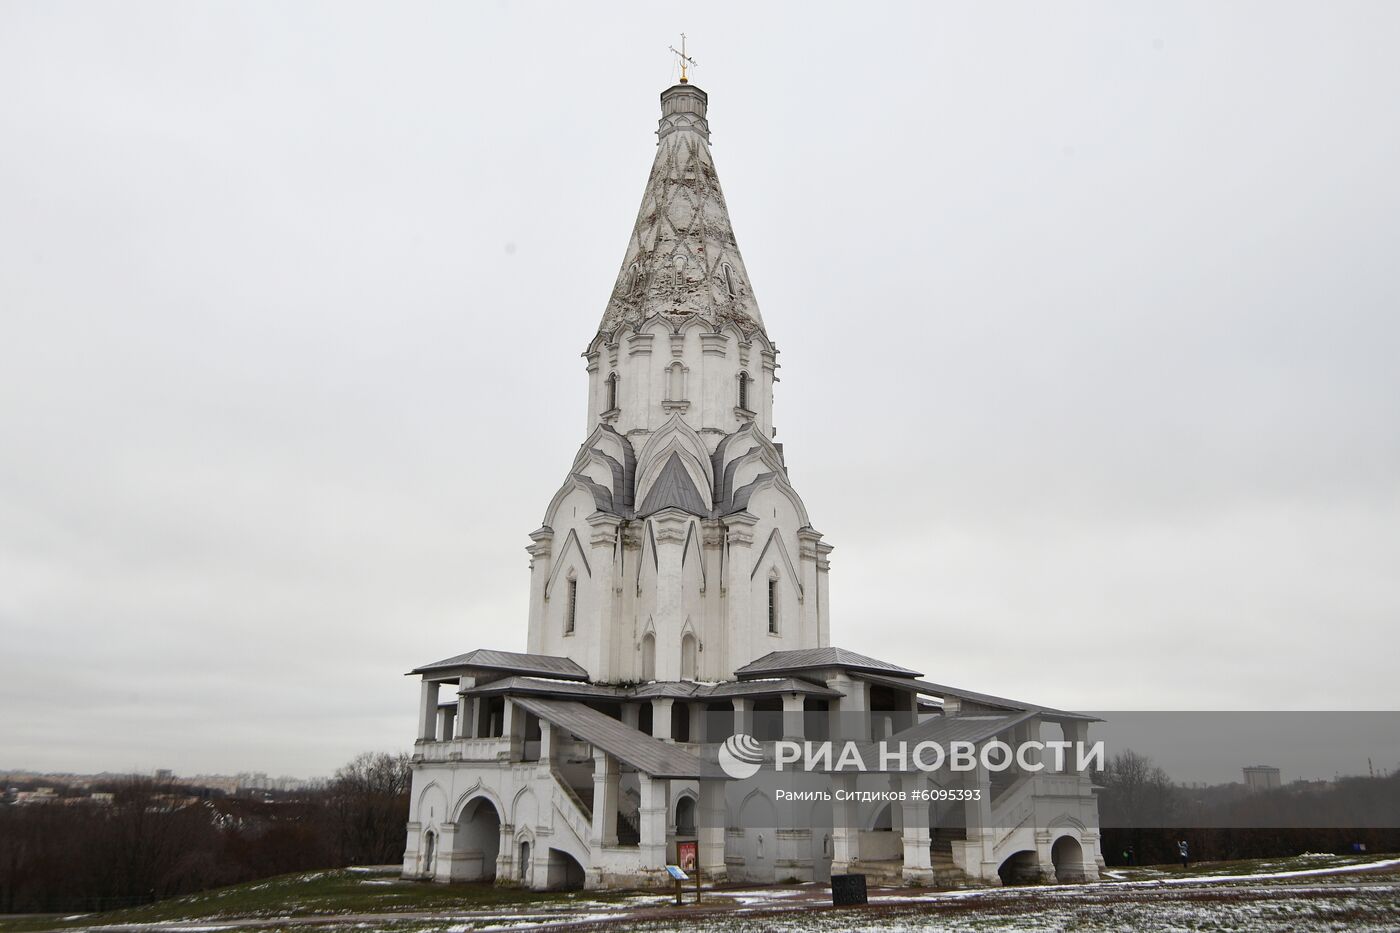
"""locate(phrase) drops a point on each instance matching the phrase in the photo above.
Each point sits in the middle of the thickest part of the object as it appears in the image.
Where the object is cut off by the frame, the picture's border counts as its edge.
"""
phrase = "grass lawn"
(339, 891)
(1362, 900)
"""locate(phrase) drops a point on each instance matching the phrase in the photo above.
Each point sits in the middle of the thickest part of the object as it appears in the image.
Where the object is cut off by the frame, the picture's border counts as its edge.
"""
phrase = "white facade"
(678, 595)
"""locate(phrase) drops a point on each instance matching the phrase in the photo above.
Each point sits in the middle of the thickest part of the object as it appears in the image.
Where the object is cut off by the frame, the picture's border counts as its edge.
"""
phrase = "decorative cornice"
(639, 343)
(714, 344)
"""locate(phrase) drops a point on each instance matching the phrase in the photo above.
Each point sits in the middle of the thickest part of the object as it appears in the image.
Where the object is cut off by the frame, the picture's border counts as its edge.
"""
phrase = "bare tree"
(369, 805)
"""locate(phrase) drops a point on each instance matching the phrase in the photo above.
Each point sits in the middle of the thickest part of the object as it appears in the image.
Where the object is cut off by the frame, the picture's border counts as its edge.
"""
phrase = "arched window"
(729, 281)
(744, 391)
(629, 285)
(675, 382)
(612, 391)
(649, 657)
(773, 606)
(688, 657)
(571, 610)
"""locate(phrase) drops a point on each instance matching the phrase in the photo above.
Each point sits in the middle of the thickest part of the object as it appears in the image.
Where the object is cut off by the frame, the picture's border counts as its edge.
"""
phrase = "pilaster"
(601, 630)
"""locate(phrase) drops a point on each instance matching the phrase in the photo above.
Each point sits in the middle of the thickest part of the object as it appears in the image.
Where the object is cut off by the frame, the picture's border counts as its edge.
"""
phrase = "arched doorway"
(759, 821)
(1020, 868)
(429, 854)
(477, 841)
(1068, 856)
(685, 817)
(563, 872)
(649, 657)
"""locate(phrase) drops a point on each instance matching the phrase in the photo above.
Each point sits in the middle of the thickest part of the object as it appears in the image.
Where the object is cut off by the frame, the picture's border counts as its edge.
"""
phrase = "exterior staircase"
(629, 833)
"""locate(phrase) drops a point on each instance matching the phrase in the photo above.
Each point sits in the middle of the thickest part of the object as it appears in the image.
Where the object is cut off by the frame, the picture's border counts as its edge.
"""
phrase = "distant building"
(1261, 777)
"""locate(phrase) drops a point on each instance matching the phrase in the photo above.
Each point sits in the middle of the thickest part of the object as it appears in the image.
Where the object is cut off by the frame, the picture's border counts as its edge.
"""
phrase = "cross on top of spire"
(685, 60)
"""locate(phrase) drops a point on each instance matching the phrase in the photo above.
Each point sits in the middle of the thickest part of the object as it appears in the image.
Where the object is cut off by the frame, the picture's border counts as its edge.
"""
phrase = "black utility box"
(848, 890)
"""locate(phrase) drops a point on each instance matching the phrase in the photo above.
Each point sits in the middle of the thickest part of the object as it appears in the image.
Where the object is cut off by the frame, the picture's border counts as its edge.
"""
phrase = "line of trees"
(1144, 814)
(156, 840)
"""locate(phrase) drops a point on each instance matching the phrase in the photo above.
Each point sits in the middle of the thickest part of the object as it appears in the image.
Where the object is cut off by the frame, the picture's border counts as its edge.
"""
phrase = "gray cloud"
(291, 301)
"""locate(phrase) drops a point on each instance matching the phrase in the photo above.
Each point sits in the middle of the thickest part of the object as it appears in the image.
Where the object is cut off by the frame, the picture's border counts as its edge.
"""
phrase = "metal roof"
(772, 688)
(685, 690)
(673, 689)
(546, 665)
(546, 687)
(944, 730)
(630, 746)
(807, 658)
(984, 699)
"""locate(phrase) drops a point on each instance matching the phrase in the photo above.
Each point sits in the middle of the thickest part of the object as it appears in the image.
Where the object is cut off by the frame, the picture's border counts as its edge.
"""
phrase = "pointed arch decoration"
(561, 562)
(692, 543)
(775, 542)
(648, 547)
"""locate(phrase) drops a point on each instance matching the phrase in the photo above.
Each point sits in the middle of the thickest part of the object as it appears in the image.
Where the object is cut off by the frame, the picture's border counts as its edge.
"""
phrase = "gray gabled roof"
(545, 665)
(673, 489)
(630, 746)
(809, 658)
(982, 699)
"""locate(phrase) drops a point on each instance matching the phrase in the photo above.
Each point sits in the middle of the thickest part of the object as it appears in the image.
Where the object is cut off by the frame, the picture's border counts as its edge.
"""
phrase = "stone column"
(845, 830)
(697, 721)
(1044, 864)
(505, 854)
(605, 781)
(794, 726)
(411, 870)
(652, 812)
(513, 730)
(712, 814)
(446, 868)
(981, 833)
(427, 711)
(918, 867)
(852, 720)
(743, 715)
(632, 715)
(466, 710)
(446, 722)
(549, 744)
(661, 718)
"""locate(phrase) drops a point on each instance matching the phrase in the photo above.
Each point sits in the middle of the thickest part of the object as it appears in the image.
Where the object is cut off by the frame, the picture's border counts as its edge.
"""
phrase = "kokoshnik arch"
(678, 596)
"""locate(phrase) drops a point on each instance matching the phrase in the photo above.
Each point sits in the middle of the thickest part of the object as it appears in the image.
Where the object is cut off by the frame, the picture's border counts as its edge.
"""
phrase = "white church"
(678, 596)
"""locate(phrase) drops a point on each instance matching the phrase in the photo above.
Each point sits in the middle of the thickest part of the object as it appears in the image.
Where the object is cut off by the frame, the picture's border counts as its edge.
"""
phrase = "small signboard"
(687, 853)
(675, 872)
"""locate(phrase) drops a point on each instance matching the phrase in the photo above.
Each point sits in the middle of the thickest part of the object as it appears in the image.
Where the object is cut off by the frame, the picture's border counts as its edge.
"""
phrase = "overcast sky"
(1088, 320)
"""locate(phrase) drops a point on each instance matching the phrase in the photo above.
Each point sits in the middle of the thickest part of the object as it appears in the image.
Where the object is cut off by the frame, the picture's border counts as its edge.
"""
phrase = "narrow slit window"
(744, 390)
(729, 281)
(772, 607)
(612, 391)
(572, 609)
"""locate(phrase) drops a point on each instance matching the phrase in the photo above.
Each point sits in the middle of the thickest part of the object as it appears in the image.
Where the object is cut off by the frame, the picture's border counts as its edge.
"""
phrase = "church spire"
(682, 261)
